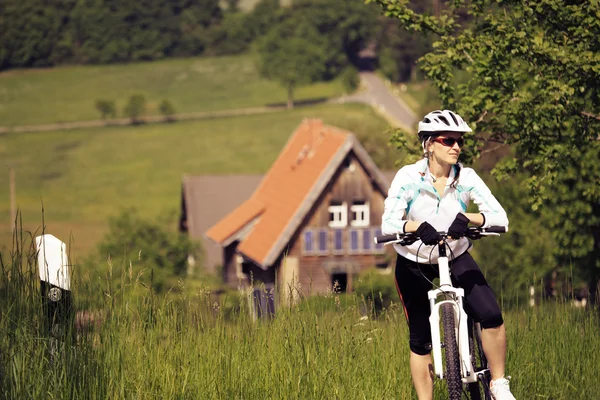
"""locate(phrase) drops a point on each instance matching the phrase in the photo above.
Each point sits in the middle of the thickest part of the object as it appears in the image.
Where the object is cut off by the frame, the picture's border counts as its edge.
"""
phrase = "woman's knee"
(419, 347)
(492, 320)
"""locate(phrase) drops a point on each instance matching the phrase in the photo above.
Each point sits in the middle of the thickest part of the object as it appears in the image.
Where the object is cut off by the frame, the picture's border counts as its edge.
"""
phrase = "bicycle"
(465, 360)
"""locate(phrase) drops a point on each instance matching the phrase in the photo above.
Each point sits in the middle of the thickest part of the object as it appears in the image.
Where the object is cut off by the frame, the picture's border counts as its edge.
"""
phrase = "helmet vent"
(453, 117)
(444, 120)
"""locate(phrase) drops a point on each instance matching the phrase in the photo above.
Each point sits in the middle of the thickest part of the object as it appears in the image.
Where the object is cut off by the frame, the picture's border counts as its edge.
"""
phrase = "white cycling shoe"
(500, 389)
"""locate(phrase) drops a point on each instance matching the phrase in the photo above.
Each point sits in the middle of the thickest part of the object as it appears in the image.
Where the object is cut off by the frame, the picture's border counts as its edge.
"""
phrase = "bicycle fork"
(454, 296)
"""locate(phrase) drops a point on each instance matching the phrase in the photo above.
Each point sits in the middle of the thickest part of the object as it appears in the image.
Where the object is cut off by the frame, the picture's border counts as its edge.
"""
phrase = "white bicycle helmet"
(441, 121)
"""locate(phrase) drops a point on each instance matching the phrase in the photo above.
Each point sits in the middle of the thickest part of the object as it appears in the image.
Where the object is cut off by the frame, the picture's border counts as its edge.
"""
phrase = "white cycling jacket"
(412, 197)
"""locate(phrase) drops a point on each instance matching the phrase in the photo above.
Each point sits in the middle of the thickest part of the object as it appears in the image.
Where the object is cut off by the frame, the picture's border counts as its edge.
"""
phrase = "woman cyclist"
(429, 196)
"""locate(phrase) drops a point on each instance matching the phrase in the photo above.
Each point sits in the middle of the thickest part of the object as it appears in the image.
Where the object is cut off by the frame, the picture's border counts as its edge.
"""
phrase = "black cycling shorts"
(413, 281)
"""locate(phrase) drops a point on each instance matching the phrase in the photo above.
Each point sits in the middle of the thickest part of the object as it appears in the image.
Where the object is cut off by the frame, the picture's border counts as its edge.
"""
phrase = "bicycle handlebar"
(410, 237)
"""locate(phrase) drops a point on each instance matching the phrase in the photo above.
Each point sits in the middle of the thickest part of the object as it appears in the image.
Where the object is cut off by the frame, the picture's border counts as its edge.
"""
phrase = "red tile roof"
(288, 190)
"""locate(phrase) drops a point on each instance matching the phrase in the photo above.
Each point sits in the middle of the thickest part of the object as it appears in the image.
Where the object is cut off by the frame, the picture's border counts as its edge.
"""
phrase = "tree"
(529, 79)
(345, 27)
(399, 51)
(293, 55)
(264, 15)
(106, 108)
(142, 244)
(167, 109)
(135, 107)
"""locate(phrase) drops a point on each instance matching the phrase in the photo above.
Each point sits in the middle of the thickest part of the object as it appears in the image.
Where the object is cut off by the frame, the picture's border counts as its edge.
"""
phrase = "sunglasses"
(449, 142)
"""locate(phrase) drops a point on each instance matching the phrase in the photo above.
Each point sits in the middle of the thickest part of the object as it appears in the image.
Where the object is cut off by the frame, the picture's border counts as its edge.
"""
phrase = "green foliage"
(315, 40)
(232, 36)
(523, 256)
(399, 51)
(350, 79)
(167, 109)
(135, 108)
(140, 246)
(344, 27)
(264, 15)
(291, 55)
(377, 288)
(31, 30)
(106, 108)
(532, 71)
(39, 33)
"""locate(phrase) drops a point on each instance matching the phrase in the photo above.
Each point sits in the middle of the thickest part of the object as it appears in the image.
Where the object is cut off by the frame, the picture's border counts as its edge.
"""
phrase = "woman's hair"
(456, 175)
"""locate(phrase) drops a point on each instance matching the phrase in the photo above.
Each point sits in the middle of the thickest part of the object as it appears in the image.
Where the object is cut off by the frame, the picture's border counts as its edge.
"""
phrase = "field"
(329, 347)
(66, 94)
(84, 176)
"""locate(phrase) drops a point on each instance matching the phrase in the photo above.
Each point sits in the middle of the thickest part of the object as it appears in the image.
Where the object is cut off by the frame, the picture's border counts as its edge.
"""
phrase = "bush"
(378, 289)
(139, 246)
(135, 108)
(106, 108)
(167, 109)
(350, 79)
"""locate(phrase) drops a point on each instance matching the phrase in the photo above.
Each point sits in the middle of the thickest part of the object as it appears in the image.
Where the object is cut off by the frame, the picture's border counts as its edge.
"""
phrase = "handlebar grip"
(385, 238)
(496, 229)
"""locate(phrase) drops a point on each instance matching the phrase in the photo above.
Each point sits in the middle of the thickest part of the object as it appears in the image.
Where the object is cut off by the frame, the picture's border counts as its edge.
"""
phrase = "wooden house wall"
(351, 182)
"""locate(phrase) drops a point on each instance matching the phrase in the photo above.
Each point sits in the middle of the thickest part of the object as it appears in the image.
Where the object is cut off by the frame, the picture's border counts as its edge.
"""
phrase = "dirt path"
(146, 119)
(378, 95)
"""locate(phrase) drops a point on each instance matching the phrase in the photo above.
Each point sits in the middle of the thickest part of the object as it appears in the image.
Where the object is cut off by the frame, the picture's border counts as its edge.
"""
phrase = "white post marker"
(55, 281)
(53, 262)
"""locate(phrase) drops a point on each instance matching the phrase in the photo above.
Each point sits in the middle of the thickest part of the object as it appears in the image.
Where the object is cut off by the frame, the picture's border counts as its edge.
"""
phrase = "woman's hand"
(459, 227)
(428, 234)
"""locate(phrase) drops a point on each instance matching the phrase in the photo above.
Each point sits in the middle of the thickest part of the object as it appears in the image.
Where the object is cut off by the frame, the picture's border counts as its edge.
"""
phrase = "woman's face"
(446, 153)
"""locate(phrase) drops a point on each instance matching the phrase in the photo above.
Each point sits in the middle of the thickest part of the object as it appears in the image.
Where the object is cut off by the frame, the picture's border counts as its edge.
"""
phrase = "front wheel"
(453, 376)
(474, 390)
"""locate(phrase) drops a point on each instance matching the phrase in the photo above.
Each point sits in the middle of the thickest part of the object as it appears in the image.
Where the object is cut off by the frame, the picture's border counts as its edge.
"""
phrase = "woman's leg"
(413, 282)
(421, 370)
(481, 304)
(494, 347)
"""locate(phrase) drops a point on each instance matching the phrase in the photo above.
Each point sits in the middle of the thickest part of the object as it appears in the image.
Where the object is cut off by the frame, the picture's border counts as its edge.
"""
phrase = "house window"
(367, 240)
(354, 241)
(323, 242)
(308, 247)
(338, 241)
(338, 215)
(359, 213)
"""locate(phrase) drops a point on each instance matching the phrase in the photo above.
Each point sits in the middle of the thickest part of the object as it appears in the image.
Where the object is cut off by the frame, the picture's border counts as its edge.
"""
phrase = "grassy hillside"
(67, 94)
(84, 176)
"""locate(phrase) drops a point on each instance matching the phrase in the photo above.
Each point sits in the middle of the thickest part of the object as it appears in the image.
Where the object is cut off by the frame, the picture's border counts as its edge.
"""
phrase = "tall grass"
(177, 347)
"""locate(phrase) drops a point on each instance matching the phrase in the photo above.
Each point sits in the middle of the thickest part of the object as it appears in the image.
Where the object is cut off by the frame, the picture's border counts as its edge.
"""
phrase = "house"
(205, 200)
(310, 222)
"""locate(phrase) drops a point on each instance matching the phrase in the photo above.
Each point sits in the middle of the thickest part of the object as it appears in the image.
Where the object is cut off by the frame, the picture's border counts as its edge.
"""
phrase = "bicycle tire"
(485, 382)
(474, 387)
(453, 375)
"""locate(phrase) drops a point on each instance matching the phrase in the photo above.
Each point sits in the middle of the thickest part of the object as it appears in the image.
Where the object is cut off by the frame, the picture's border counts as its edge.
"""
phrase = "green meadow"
(84, 176)
(191, 347)
(66, 94)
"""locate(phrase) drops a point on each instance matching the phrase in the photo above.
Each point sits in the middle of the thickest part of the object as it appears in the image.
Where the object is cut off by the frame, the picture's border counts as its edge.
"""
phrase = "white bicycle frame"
(460, 323)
